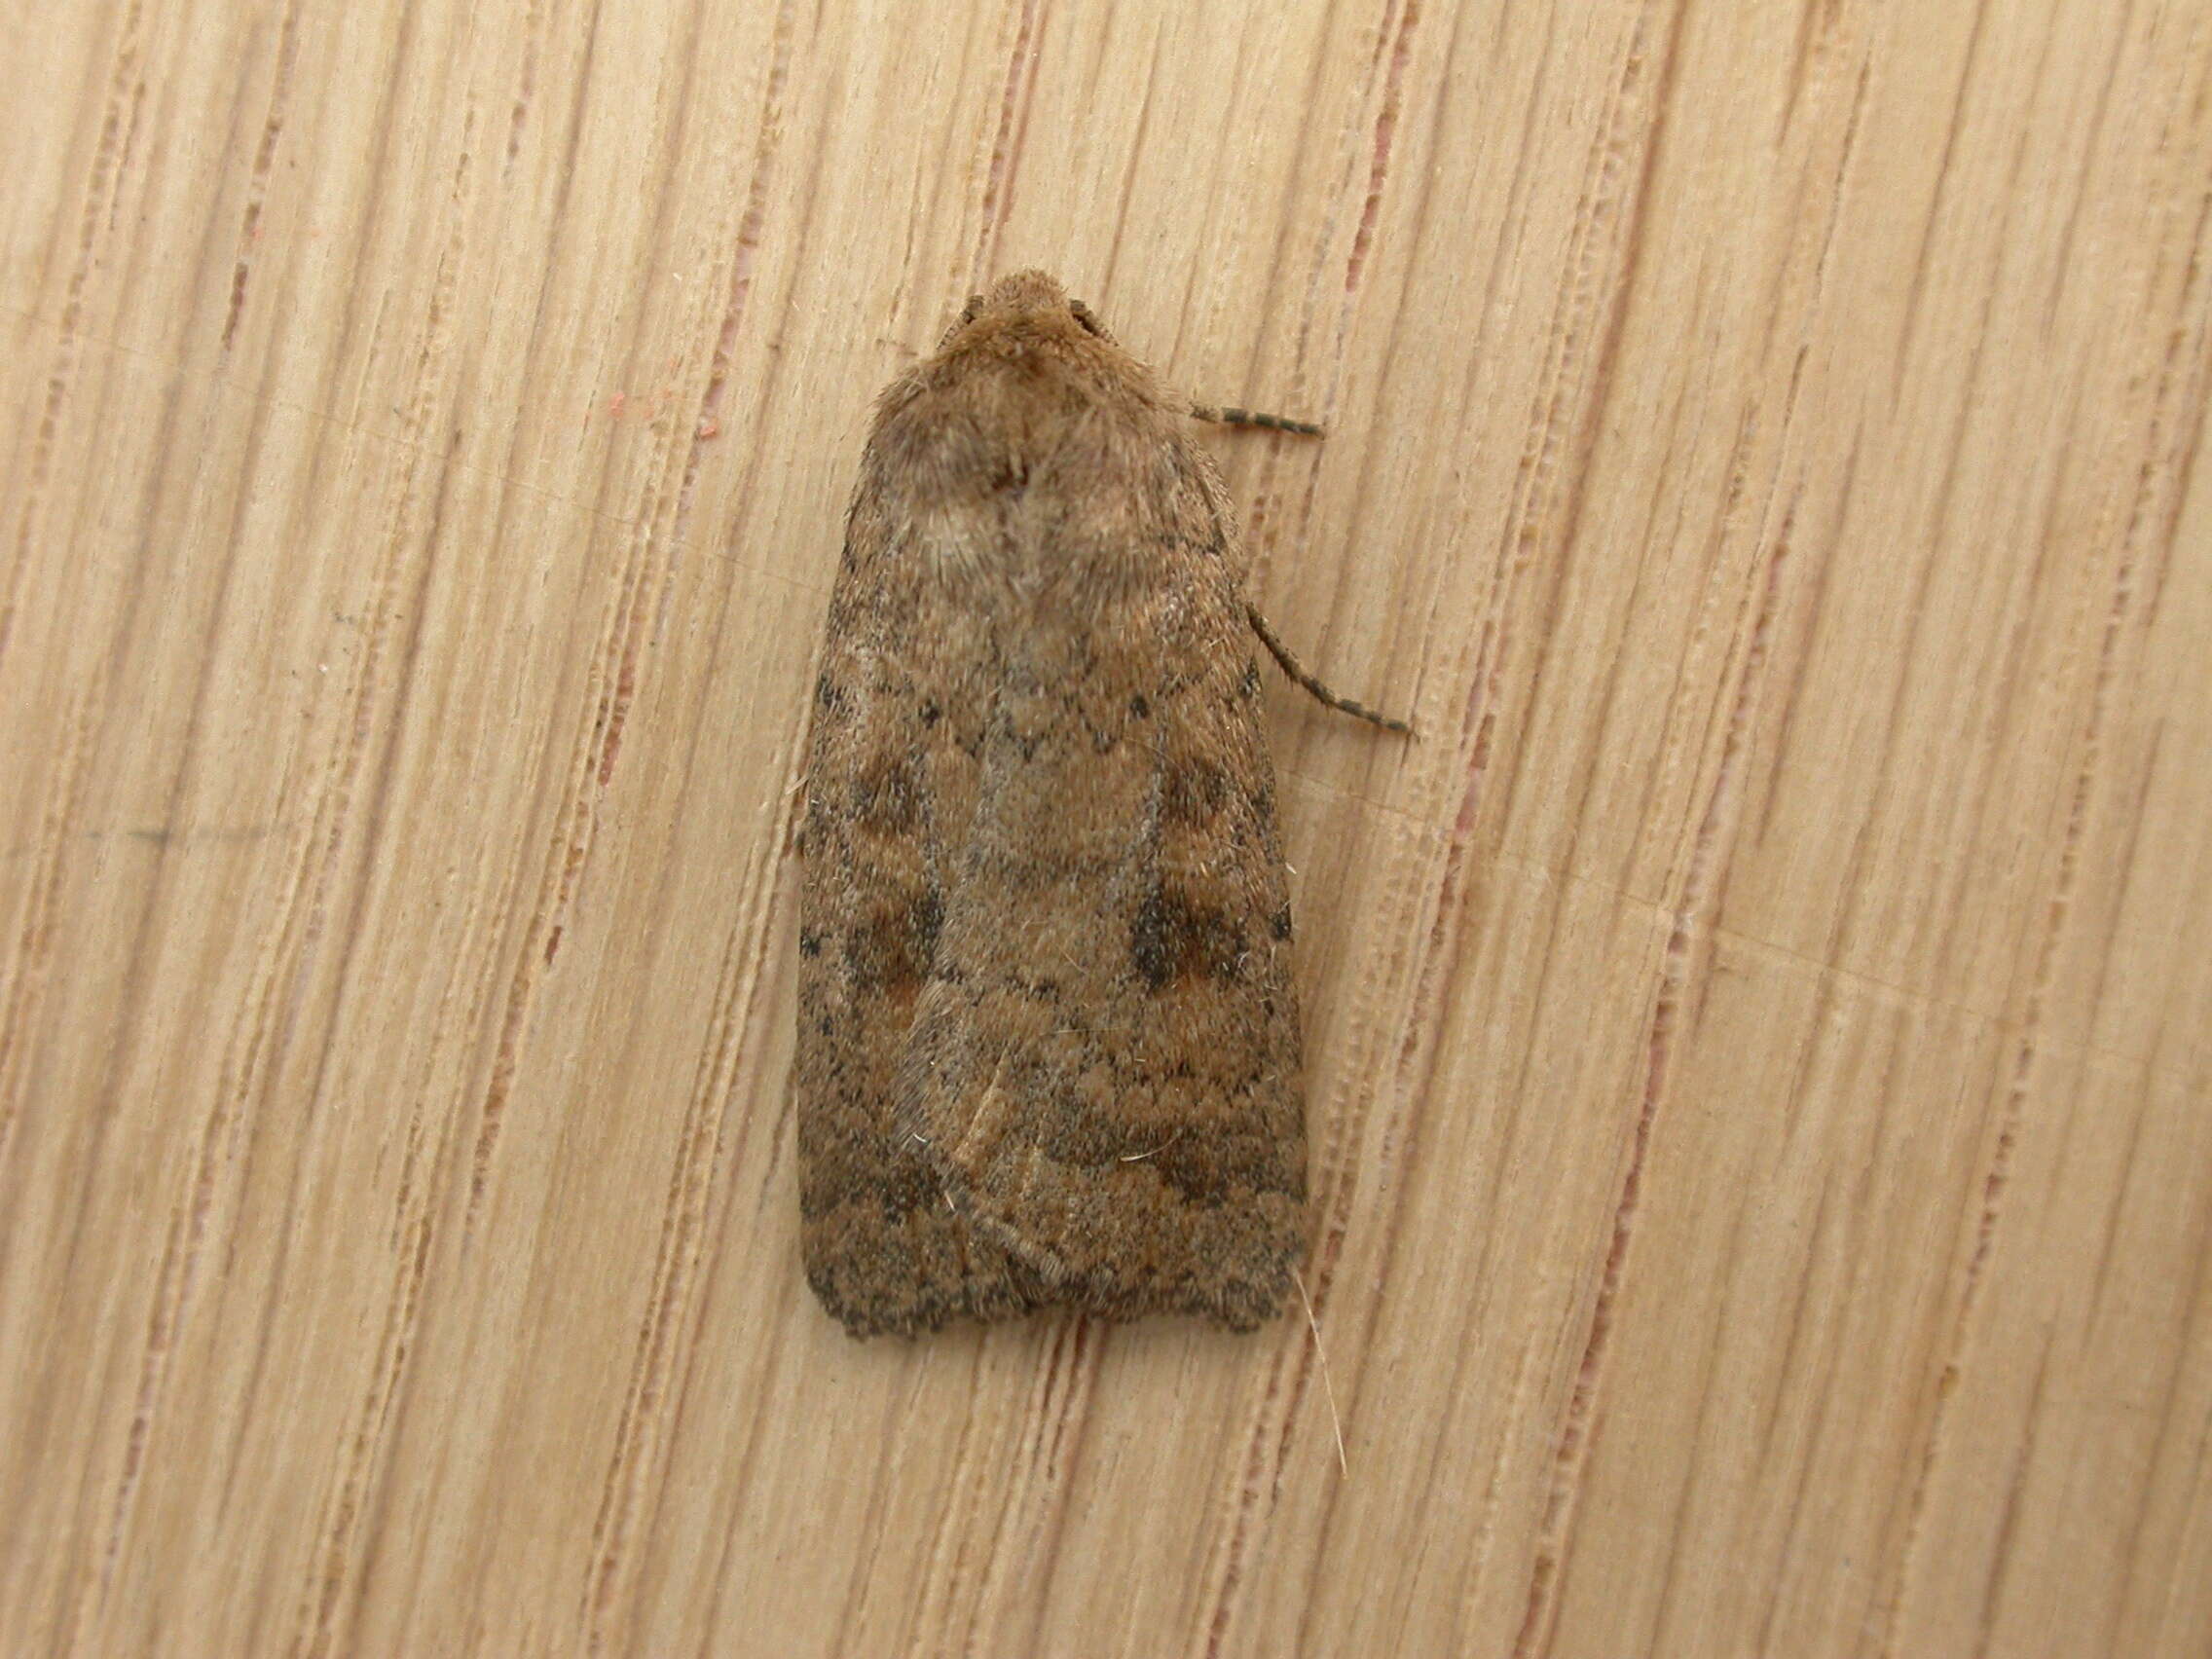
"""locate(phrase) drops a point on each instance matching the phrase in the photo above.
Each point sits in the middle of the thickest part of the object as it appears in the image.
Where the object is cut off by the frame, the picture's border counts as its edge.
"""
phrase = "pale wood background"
(1761, 1033)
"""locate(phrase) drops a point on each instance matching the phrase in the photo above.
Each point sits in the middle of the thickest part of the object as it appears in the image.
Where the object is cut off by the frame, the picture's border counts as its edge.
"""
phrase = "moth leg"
(1320, 692)
(1252, 417)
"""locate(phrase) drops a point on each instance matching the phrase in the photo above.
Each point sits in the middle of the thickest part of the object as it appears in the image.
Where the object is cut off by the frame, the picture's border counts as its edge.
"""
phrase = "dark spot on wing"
(908, 1186)
(1213, 1169)
(892, 951)
(1192, 792)
(1172, 938)
(886, 798)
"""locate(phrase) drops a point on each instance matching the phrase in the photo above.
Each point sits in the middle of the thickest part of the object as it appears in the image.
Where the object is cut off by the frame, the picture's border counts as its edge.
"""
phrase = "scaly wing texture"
(900, 700)
(1116, 1103)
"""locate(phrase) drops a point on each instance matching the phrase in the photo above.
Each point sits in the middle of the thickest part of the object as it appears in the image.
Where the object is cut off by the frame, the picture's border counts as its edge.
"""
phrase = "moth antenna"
(1320, 692)
(1253, 418)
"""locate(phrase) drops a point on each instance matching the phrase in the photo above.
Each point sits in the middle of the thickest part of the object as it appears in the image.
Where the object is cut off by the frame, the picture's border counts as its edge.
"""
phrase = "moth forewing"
(1049, 1044)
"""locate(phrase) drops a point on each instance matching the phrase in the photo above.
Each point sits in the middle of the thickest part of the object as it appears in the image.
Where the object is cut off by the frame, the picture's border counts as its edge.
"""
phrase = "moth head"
(1018, 383)
(1029, 302)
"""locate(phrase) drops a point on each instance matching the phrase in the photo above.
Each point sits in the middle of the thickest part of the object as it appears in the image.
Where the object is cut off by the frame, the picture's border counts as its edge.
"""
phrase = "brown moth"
(1047, 1045)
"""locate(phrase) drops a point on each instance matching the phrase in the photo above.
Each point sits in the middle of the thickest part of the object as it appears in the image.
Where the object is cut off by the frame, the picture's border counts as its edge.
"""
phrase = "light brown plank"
(1762, 1086)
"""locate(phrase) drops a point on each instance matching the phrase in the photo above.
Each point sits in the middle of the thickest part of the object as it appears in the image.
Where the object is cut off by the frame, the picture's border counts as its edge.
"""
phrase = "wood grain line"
(1016, 94)
(124, 85)
(257, 1039)
(1382, 79)
(1063, 1453)
(1334, 1187)
(1679, 975)
(1228, 1560)
(264, 159)
(967, 1482)
(745, 251)
(1390, 67)
(1113, 260)
(29, 961)
(1916, 295)
(1794, 1363)
(95, 712)
(612, 682)
(531, 31)
(317, 1618)
(1379, 165)
(1020, 1559)
(1289, 1376)
(1696, 910)
(641, 1431)
(644, 1428)
(1559, 408)
(1567, 402)
(2193, 1344)
(736, 1539)
(2183, 357)
(2009, 1513)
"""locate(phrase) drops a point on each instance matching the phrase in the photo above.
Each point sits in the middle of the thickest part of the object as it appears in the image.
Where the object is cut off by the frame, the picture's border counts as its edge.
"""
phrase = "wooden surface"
(1760, 1034)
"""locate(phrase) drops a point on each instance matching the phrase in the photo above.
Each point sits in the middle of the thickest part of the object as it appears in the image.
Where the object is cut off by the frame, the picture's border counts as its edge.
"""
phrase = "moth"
(1049, 1044)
